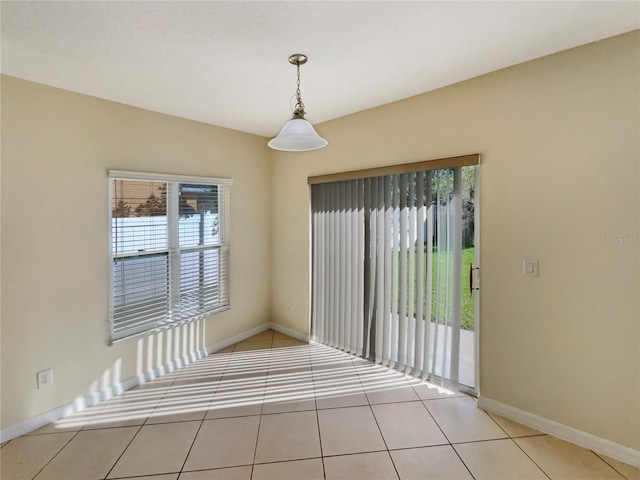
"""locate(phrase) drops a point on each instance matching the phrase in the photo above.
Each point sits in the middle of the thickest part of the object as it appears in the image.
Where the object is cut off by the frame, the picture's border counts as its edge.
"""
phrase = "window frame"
(173, 250)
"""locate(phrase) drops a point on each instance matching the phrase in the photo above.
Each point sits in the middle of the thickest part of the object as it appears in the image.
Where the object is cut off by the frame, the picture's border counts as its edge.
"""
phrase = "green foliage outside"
(467, 300)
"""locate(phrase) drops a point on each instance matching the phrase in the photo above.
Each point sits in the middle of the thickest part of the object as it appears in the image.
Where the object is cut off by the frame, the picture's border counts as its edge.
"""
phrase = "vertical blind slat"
(361, 264)
(420, 273)
(340, 279)
(386, 352)
(428, 267)
(411, 279)
(402, 255)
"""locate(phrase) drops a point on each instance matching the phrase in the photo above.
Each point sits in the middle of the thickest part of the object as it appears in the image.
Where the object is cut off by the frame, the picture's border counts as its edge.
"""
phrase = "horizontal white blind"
(169, 251)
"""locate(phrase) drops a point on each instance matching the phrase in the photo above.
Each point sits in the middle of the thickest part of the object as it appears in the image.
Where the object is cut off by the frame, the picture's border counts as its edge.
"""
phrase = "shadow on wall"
(156, 355)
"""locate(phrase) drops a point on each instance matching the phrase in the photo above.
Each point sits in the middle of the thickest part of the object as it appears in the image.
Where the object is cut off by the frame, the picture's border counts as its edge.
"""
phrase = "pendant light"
(298, 135)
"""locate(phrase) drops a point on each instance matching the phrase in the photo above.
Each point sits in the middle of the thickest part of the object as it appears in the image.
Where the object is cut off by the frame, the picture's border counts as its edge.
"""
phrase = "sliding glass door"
(394, 271)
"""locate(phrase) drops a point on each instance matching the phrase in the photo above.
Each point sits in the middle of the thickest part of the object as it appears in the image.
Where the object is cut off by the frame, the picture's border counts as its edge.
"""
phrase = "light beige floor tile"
(338, 387)
(234, 409)
(169, 476)
(429, 391)
(345, 396)
(157, 449)
(512, 428)
(61, 427)
(228, 349)
(286, 393)
(157, 385)
(286, 342)
(133, 418)
(255, 345)
(462, 421)
(288, 359)
(322, 358)
(385, 386)
(233, 473)
(23, 457)
(349, 430)
(265, 336)
(498, 459)
(90, 454)
(562, 460)
(290, 371)
(434, 463)
(288, 436)
(127, 410)
(277, 404)
(626, 470)
(187, 414)
(200, 382)
(406, 425)
(363, 466)
(224, 442)
(181, 406)
(280, 336)
(237, 398)
(303, 469)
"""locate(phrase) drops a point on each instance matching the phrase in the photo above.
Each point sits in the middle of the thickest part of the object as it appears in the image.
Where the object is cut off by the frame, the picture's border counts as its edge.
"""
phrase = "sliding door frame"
(380, 189)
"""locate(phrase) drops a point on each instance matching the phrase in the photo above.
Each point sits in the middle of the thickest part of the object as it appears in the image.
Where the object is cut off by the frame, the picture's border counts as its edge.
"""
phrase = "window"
(169, 250)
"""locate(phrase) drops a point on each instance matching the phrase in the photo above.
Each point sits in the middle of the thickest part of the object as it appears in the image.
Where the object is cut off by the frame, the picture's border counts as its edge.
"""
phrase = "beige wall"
(560, 174)
(56, 149)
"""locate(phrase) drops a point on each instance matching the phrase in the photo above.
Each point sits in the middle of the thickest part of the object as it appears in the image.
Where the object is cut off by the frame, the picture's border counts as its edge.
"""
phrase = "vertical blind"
(386, 273)
(169, 251)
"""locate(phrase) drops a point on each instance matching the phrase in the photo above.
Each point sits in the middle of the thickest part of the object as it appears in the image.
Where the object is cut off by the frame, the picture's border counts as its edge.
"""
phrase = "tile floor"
(274, 408)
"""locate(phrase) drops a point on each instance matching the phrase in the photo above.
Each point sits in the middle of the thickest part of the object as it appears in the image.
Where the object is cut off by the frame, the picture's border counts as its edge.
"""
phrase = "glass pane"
(199, 280)
(139, 216)
(199, 222)
(140, 292)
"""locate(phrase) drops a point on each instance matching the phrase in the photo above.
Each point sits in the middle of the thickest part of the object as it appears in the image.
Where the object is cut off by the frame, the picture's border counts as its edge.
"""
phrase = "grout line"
(55, 455)
(616, 470)
(123, 451)
(264, 396)
(191, 447)
(435, 421)
(532, 460)
(463, 462)
(375, 419)
(324, 473)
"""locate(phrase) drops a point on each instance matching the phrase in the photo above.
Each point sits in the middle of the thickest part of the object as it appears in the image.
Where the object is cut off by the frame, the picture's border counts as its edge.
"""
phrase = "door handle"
(471, 287)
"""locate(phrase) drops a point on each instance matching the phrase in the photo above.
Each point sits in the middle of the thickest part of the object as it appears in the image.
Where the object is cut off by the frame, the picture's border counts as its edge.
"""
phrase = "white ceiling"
(225, 62)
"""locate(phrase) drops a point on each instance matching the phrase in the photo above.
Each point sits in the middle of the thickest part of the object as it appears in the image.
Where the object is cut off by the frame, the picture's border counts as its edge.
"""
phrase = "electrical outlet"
(45, 378)
(289, 307)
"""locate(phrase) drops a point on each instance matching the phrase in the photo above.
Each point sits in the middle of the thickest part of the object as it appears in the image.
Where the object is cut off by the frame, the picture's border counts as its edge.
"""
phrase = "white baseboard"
(85, 401)
(216, 347)
(563, 432)
(287, 331)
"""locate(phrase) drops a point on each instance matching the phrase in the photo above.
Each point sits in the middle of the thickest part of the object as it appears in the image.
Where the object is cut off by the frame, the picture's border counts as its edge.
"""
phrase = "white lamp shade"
(298, 135)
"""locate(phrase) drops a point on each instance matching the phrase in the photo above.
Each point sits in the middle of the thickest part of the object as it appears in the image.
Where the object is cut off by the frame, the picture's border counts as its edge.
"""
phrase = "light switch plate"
(530, 267)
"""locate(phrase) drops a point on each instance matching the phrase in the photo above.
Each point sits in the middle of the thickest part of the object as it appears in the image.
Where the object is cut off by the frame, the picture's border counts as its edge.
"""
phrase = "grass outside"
(467, 303)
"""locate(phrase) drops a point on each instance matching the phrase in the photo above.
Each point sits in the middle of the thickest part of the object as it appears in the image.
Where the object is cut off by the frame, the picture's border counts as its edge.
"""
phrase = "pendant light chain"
(299, 105)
